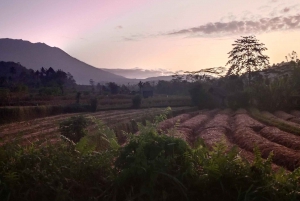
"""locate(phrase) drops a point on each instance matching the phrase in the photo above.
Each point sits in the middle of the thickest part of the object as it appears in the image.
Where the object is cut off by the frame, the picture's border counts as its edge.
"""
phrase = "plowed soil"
(46, 129)
(232, 129)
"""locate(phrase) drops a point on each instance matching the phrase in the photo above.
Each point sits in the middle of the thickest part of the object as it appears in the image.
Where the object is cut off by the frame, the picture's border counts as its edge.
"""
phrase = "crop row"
(42, 129)
(241, 130)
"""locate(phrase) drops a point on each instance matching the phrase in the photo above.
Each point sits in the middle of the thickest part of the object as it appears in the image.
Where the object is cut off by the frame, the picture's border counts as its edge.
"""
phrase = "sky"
(174, 35)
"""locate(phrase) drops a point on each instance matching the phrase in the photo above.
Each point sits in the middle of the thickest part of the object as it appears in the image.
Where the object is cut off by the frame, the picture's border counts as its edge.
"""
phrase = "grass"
(255, 113)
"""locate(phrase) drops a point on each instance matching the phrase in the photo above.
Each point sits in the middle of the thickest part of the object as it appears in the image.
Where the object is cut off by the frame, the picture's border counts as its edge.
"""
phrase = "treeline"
(249, 81)
(16, 78)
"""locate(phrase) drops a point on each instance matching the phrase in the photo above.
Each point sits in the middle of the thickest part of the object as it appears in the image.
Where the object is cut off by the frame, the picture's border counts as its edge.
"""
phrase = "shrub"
(74, 128)
(238, 99)
(52, 172)
(200, 96)
(136, 101)
(148, 166)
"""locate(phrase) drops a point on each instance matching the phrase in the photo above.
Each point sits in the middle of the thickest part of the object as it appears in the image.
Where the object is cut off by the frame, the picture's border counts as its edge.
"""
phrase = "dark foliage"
(246, 56)
(13, 75)
(136, 101)
(94, 104)
(200, 96)
(74, 128)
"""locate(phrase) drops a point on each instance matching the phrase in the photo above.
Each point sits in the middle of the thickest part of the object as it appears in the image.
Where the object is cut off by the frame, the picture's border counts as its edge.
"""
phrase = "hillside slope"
(37, 55)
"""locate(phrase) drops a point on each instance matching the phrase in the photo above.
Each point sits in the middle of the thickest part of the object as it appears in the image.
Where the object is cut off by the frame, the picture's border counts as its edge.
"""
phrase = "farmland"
(240, 129)
(231, 128)
(221, 154)
(46, 129)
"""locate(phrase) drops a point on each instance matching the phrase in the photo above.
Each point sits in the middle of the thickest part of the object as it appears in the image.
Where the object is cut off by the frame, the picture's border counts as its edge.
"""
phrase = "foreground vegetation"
(151, 166)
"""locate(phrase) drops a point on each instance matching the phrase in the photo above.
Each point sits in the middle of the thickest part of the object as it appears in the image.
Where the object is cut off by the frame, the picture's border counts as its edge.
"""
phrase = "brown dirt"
(41, 127)
(287, 117)
(241, 111)
(244, 120)
(283, 115)
(222, 133)
(281, 137)
(296, 113)
(189, 127)
(195, 122)
(183, 133)
(220, 120)
(169, 123)
(212, 136)
(275, 118)
(246, 138)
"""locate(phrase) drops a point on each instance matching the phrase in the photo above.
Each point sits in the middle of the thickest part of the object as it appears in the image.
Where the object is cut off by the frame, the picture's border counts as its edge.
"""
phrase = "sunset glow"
(152, 34)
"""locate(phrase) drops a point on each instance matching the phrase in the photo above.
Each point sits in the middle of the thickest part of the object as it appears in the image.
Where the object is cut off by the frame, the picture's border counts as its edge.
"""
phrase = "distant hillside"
(37, 55)
(139, 73)
(11, 69)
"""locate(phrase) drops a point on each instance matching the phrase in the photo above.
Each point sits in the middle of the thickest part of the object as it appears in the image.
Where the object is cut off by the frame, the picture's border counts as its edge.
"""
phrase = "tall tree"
(141, 84)
(114, 88)
(246, 56)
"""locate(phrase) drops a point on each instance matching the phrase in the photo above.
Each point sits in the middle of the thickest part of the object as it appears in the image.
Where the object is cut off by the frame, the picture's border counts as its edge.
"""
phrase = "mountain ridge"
(37, 55)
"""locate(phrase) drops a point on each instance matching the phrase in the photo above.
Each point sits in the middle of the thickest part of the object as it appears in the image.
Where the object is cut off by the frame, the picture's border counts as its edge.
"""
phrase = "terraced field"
(46, 129)
(240, 129)
(275, 133)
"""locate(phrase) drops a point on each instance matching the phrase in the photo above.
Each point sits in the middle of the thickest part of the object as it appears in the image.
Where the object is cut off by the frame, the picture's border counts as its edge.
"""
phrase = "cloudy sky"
(153, 34)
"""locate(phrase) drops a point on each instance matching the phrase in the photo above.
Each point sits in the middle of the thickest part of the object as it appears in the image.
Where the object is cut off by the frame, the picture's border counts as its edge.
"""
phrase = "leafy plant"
(74, 128)
(148, 166)
(101, 139)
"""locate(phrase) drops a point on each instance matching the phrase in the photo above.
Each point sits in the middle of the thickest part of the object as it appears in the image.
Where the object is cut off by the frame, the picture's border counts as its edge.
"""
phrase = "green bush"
(52, 172)
(148, 166)
(136, 101)
(74, 128)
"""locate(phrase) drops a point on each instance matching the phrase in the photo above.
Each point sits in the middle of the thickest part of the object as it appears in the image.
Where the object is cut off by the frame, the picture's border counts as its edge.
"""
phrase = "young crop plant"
(102, 139)
(74, 128)
(255, 113)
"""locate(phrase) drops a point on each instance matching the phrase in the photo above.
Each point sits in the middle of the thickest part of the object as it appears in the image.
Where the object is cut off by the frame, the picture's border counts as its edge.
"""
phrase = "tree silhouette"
(114, 88)
(246, 56)
(141, 84)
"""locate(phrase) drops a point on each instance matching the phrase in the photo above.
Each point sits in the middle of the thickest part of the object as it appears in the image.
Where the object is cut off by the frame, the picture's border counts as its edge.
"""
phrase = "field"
(104, 101)
(46, 129)
(221, 163)
(211, 126)
(240, 129)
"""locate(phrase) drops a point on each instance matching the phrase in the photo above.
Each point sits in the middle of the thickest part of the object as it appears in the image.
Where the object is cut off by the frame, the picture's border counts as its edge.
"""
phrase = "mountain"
(139, 73)
(37, 55)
